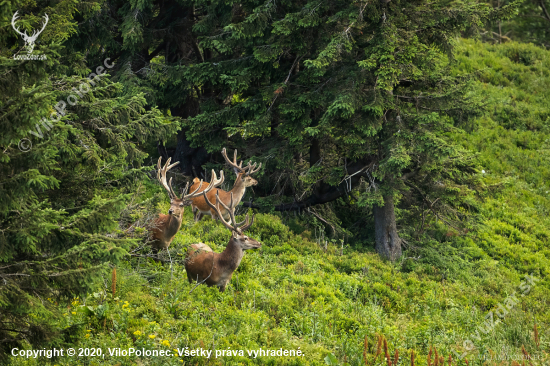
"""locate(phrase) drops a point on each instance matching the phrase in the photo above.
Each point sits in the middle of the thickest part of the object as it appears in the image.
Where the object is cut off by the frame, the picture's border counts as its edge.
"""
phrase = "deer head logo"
(29, 40)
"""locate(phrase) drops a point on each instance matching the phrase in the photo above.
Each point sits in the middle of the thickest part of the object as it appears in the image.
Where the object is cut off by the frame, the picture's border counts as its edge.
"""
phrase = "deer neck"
(232, 255)
(173, 226)
(238, 190)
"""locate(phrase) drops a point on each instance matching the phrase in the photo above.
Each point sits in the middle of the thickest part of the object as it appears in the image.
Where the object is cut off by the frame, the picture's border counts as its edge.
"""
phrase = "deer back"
(202, 263)
(215, 269)
(238, 191)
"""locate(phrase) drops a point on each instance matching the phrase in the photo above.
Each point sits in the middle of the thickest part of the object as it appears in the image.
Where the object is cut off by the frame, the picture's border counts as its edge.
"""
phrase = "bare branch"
(296, 60)
(546, 14)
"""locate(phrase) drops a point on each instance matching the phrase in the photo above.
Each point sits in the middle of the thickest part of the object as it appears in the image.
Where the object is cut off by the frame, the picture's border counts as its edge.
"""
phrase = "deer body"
(216, 269)
(201, 207)
(166, 227)
(201, 258)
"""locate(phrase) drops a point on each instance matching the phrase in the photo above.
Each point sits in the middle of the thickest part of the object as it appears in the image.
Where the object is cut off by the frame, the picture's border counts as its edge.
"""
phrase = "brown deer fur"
(199, 205)
(166, 227)
(216, 269)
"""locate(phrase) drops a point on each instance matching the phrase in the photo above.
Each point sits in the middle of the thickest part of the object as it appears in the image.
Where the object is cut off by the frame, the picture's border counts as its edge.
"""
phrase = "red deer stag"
(244, 179)
(215, 269)
(166, 226)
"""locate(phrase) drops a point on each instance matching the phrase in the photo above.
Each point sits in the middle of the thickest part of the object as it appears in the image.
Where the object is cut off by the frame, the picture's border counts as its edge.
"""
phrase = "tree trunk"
(191, 159)
(387, 241)
(314, 157)
(314, 152)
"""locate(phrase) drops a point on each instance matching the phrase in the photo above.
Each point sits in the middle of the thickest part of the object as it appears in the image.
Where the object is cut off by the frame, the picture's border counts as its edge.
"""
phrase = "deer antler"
(250, 169)
(237, 168)
(214, 182)
(247, 225)
(161, 176)
(25, 36)
(13, 20)
(35, 33)
(233, 226)
(217, 208)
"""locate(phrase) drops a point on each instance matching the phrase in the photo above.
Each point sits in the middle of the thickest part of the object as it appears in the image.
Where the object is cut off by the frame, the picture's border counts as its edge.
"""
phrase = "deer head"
(245, 173)
(237, 229)
(177, 205)
(29, 40)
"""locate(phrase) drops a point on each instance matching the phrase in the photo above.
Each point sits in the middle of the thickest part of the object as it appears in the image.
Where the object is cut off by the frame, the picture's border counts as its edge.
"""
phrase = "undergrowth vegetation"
(292, 294)
(296, 293)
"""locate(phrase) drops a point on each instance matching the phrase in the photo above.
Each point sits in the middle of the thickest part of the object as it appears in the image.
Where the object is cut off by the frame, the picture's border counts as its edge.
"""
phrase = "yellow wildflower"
(87, 335)
(152, 336)
(166, 343)
(74, 312)
(137, 333)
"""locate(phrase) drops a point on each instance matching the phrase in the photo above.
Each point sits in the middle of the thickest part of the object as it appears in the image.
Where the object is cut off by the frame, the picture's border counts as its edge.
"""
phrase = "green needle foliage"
(531, 25)
(60, 198)
(340, 92)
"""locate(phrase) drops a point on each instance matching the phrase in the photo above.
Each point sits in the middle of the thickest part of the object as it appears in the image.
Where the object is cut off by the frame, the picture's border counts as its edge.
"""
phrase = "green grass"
(292, 294)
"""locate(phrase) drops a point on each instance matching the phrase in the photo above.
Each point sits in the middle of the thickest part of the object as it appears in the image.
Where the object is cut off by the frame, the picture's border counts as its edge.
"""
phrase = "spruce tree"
(70, 152)
(531, 25)
(329, 95)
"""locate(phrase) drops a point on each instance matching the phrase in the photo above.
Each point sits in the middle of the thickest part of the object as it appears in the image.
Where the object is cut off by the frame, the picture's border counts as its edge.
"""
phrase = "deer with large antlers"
(216, 269)
(200, 205)
(29, 40)
(166, 227)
